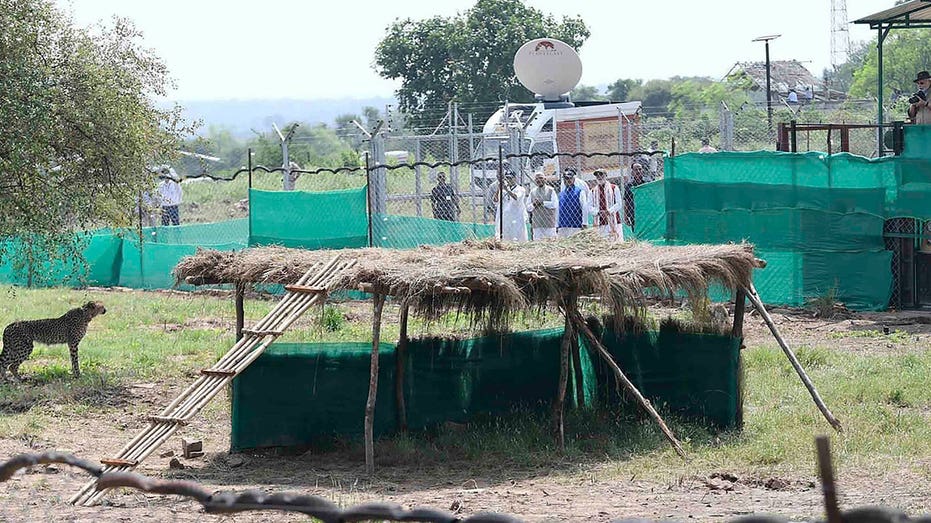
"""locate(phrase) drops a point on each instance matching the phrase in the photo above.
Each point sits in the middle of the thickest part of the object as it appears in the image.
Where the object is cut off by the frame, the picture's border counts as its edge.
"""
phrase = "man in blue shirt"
(573, 204)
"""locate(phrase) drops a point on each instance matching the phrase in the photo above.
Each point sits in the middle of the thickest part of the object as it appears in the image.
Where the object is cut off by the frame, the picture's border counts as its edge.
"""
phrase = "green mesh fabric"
(102, 256)
(650, 211)
(817, 219)
(917, 142)
(302, 394)
(406, 232)
(317, 220)
(694, 375)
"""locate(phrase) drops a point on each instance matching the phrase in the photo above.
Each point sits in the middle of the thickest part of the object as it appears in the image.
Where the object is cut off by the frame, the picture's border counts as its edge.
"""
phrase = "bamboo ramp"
(310, 290)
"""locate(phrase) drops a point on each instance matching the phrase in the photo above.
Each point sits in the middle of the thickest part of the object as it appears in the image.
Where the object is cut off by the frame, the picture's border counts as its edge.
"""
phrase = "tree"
(312, 146)
(905, 52)
(619, 91)
(655, 96)
(841, 79)
(467, 58)
(586, 93)
(79, 126)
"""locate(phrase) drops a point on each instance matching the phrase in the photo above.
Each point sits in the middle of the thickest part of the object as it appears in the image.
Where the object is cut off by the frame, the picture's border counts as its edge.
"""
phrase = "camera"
(919, 96)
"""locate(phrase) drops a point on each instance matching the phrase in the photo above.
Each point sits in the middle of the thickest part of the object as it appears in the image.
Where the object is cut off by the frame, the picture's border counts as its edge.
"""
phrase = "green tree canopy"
(312, 146)
(905, 52)
(586, 93)
(620, 90)
(467, 58)
(79, 124)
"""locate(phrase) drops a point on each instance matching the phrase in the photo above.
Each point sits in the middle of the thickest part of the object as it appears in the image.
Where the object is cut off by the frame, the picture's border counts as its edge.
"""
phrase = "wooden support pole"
(594, 342)
(400, 363)
(240, 308)
(740, 307)
(828, 488)
(379, 304)
(559, 404)
(758, 303)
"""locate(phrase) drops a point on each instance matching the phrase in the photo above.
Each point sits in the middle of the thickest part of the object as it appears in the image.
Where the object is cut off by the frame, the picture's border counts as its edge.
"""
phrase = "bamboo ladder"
(309, 290)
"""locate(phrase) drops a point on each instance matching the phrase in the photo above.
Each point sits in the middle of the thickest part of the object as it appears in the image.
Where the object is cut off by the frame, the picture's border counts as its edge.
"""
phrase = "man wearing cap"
(573, 205)
(542, 204)
(513, 212)
(918, 109)
(169, 196)
(606, 206)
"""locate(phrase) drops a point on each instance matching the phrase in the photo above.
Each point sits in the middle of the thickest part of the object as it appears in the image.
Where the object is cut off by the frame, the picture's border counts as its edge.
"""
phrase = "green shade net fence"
(816, 219)
(118, 258)
(303, 394)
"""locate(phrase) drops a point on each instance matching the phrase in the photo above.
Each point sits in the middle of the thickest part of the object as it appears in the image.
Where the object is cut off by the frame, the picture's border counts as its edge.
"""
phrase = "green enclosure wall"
(319, 220)
(114, 258)
(816, 219)
(302, 394)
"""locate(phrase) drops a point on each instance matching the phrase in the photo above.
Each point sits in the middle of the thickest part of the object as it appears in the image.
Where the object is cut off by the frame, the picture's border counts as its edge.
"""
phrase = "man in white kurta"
(606, 206)
(542, 204)
(513, 212)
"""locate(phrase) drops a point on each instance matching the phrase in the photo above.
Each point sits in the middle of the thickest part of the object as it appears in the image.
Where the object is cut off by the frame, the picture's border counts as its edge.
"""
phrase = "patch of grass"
(332, 318)
(896, 336)
(823, 305)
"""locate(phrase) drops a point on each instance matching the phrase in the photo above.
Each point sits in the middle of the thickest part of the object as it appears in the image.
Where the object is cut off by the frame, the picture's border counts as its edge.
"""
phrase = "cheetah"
(70, 328)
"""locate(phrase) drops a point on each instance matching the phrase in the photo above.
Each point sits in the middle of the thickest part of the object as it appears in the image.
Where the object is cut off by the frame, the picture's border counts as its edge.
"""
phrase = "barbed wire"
(226, 502)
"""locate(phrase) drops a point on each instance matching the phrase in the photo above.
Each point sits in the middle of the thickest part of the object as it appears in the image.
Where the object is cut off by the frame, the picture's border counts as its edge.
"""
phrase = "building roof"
(916, 13)
(784, 75)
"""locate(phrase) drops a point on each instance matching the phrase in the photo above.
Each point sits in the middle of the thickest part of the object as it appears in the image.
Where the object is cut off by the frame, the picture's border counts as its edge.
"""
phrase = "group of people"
(551, 213)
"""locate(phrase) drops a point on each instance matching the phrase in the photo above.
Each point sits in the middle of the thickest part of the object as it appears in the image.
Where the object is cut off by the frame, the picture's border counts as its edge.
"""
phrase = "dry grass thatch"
(491, 279)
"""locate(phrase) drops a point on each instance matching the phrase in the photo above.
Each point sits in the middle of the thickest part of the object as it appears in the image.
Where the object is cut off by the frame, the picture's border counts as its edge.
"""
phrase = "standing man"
(606, 206)
(512, 212)
(573, 205)
(444, 200)
(169, 196)
(918, 109)
(706, 147)
(542, 204)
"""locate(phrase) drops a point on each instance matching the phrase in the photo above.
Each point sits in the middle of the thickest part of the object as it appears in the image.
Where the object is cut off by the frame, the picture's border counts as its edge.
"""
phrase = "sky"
(323, 50)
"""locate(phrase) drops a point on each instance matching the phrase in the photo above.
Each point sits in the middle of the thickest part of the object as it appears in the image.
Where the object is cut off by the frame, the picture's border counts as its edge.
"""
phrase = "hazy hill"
(242, 115)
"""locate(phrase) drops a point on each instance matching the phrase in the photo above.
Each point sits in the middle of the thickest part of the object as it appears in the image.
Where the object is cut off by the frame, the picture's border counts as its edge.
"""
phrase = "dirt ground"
(563, 492)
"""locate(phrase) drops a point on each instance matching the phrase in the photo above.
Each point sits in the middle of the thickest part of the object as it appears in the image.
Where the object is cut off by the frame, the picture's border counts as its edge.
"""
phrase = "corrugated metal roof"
(914, 13)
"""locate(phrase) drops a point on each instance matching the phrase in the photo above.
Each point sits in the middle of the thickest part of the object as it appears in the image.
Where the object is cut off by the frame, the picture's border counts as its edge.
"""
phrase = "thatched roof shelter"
(493, 279)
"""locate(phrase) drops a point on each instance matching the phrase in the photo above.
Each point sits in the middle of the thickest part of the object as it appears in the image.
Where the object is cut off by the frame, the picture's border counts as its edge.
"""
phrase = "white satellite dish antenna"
(548, 67)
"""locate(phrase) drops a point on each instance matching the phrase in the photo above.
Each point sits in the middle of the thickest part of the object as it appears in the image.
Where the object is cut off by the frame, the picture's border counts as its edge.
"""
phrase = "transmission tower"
(840, 35)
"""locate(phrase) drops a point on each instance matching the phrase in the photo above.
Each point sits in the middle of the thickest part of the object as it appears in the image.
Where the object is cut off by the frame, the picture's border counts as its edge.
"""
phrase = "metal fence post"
(578, 146)
(249, 195)
(454, 146)
(472, 178)
(379, 177)
(500, 192)
(418, 173)
(368, 195)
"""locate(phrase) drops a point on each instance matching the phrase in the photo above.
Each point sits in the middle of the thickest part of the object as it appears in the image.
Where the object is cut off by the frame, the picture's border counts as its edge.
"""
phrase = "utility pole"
(769, 91)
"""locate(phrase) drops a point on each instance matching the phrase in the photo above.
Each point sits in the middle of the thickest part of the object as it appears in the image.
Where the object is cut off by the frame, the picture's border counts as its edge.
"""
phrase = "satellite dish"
(548, 67)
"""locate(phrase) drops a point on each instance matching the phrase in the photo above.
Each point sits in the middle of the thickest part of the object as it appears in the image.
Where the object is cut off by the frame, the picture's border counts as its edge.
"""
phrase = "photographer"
(918, 109)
